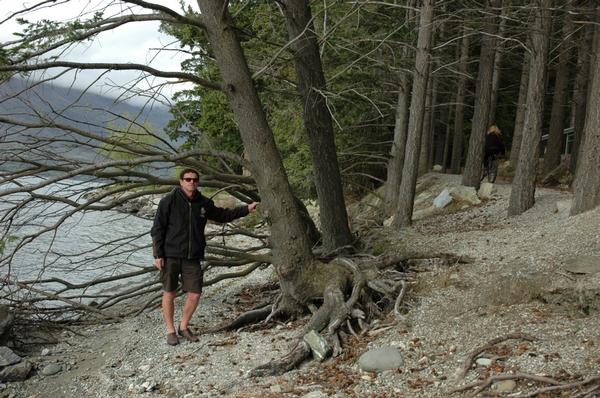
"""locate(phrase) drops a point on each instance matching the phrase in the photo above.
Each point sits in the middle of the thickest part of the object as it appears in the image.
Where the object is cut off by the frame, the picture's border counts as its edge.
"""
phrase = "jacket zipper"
(189, 230)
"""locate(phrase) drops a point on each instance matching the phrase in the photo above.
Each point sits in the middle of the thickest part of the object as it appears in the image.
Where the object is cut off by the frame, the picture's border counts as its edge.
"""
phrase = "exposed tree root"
(351, 306)
(295, 357)
(247, 318)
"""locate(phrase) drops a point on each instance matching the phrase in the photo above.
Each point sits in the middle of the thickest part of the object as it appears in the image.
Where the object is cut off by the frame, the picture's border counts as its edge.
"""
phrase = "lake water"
(87, 246)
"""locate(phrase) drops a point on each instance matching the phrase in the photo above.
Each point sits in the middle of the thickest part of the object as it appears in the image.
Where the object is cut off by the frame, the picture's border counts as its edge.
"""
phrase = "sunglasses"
(190, 179)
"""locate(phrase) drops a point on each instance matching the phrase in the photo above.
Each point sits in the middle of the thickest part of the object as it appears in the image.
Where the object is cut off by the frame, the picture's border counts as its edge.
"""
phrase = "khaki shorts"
(188, 271)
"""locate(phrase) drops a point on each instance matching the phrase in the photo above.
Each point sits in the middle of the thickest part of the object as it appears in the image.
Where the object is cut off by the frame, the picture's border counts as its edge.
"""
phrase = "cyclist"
(494, 148)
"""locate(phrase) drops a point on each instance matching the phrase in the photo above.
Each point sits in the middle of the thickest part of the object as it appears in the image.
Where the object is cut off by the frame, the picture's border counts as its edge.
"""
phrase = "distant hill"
(22, 99)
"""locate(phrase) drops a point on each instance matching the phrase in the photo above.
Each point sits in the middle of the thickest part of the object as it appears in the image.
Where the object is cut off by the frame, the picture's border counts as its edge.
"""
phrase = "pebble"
(51, 369)
(45, 352)
(505, 385)
(484, 361)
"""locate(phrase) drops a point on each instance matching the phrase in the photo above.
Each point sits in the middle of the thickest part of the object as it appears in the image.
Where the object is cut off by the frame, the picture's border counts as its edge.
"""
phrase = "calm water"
(86, 246)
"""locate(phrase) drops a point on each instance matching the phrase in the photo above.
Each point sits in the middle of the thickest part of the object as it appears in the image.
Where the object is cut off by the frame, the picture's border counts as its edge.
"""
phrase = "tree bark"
(552, 157)
(426, 133)
(580, 91)
(521, 110)
(290, 244)
(394, 171)
(483, 92)
(497, 69)
(587, 178)
(523, 187)
(403, 216)
(459, 112)
(318, 124)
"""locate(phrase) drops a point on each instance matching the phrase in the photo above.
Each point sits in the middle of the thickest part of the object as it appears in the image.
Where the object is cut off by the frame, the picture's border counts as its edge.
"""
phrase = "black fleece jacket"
(178, 230)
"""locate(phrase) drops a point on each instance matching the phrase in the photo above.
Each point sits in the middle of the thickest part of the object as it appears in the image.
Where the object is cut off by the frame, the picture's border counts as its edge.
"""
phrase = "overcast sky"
(134, 42)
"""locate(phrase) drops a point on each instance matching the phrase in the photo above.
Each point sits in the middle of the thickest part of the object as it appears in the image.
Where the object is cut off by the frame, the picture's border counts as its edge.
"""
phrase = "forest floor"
(519, 287)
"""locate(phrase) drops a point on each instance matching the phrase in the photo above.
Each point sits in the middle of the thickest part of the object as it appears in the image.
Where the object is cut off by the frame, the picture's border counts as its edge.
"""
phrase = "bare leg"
(191, 302)
(168, 309)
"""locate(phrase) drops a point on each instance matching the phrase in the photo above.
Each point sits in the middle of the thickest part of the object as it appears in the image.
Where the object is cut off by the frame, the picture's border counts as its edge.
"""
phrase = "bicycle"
(490, 169)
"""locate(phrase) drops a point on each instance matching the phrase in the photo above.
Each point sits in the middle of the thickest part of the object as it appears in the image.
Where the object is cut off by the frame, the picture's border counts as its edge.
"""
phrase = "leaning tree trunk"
(523, 186)
(406, 194)
(587, 179)
(291, 248)
(318, 125)
(559, 99)
(497, 69)
(580, 91)
(521, 110)
(427, 130)
(483, 93)
(394, 171)
(458, 136)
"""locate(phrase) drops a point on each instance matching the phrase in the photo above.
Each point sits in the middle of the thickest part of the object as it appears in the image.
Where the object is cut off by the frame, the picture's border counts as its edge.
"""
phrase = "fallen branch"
(483, 384)
(473, 354)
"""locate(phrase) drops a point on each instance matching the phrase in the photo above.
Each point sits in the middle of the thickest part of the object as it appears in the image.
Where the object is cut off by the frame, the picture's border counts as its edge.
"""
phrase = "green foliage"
(361, 56)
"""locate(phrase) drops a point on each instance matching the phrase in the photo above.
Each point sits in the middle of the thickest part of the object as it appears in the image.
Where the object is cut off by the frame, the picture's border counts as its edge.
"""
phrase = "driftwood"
(474, 353)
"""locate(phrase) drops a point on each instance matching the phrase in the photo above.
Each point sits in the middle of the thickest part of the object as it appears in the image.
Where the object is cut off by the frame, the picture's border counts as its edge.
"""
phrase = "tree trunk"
(587, 178)
(394, 171)
(521, 110)
(426, 133)
(447, 132)
(580, 91)
(552, 157)
(483, 92)
(318, 124)
(459, 112)
(497, 64)
(403, 216)
(291, 248)
(523, 187)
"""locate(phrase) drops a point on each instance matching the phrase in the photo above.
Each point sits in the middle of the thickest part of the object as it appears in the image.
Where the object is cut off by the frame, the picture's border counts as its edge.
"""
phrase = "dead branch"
(473, 354)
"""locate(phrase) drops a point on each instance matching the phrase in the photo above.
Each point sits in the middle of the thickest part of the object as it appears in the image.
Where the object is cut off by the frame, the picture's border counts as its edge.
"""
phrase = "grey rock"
(17, 372)
(563, 206)
(315, 394)
(320, 348)
(465, 194)
(583, 265)
(51, 369)
(45, 352)
(486, 190)
(443, 199)
(483, 361)
(505, 386)
(8, 357)
(381, 359)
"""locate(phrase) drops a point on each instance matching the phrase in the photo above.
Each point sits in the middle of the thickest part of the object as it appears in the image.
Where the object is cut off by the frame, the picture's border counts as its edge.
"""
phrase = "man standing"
(178, 243)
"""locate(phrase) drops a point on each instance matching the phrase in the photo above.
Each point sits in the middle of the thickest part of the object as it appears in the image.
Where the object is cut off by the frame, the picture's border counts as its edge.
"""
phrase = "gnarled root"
(299, 353)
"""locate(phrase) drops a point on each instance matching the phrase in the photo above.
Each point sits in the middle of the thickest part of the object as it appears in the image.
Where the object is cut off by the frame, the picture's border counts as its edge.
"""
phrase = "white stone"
(484, 361)
(443, 199)
(563, 206)
(144, 368)
(45, 352)
(486, 190)
(465, 194)
(437, 168)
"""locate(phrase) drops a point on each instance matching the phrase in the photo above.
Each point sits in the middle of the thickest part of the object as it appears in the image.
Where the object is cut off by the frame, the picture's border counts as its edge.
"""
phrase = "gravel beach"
(520, 280)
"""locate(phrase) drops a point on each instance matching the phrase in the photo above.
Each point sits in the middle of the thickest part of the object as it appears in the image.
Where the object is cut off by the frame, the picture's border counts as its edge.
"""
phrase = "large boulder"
(465, 194)
(381, 359)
